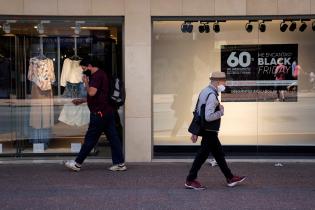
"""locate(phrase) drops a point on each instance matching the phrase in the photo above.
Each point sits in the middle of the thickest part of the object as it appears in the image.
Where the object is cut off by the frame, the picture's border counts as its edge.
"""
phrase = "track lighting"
(283, 26)
(303, 26)
(77, 28)
(40, 28)
(6, 28)
(204, 27)
(292, 26)
(190, 28)
(187, 27)
(249, 27)
(201, 28)
(262, 26)
(183, 28)
(207, 28)
(216, 27)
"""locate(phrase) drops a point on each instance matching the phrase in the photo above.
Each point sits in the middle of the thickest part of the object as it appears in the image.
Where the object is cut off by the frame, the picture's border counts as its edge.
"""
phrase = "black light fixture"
(262, 26)
(187, 27)
(249, 27)
(303, 26)
(183, 27)
(190, 28)
(313, 26)
(204, 27)
(283, 26)
(201, 28)
(292, 26)
(207, 28)
(216, 27)
(6, 28)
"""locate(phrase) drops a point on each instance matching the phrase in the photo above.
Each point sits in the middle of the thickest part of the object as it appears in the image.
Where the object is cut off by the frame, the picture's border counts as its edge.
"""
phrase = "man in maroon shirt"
(101, 117)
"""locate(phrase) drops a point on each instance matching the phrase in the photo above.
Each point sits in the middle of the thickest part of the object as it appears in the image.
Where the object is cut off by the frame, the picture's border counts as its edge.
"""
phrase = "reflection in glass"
(41, 75)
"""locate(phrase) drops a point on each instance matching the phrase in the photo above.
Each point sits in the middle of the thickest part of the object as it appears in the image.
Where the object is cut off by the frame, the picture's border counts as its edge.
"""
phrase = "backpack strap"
(198, 101)
(215, 93)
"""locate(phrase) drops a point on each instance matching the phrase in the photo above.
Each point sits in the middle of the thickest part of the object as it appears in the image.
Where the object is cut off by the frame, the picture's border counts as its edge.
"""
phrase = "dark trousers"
(209, 143)
(97, 126)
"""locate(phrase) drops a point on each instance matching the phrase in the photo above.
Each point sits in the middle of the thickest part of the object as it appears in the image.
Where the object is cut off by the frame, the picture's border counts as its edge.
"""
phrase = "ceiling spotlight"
(216, 27)
(6, 28)
(77, 29)
(262, 26)
(202, 28)
(303, 26)
(283, 26)
(187, 27)
(292, 26)
(40, 28)
(313, 26)
(190, 28)
(184, 27)
(207, 28)
(249, 27)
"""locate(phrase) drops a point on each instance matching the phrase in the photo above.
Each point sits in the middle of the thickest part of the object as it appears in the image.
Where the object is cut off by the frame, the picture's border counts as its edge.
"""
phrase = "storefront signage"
(260, 72)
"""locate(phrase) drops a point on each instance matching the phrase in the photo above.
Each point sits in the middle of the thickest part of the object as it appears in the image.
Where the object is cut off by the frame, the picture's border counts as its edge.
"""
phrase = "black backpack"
(117, 93)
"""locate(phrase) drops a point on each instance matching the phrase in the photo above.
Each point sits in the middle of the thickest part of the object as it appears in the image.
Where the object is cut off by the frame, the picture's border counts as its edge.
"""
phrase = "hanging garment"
(42, 108)
(71, 78)
(71, 72)
(75, 90)
(75, 115)
(41, 72)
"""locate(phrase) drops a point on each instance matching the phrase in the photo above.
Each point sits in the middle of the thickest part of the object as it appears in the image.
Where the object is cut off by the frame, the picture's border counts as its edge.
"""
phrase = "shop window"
(260, 109)
(41, 75)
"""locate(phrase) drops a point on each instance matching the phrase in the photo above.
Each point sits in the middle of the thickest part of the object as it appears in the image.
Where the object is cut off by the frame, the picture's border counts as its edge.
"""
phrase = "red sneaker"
(235, 180)
(194, 185)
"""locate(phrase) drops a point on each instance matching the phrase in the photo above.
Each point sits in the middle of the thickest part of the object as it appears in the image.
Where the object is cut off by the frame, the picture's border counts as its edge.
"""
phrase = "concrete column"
(138, 143)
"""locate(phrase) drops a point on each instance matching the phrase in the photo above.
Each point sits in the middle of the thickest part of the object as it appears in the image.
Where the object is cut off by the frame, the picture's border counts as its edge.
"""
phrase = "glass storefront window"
(40, 76)
(254, 114)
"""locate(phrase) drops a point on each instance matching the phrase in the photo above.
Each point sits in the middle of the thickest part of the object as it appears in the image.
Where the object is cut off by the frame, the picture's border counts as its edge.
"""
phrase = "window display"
(41, 75)
(269, 99)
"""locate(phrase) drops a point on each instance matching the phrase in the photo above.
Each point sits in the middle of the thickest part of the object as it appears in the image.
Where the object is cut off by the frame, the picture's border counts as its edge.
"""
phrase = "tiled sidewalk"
(155, 186)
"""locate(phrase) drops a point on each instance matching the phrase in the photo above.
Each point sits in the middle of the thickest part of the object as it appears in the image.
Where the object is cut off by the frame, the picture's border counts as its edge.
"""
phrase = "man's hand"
(85, 79)
(194, 138)
(222, 109)
(78, 101)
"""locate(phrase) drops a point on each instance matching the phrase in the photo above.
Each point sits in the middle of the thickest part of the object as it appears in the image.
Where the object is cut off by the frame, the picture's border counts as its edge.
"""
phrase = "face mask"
(221, 88)
(87, 72)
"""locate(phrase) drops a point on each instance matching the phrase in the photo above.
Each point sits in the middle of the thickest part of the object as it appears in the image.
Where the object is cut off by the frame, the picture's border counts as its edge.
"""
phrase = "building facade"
(164, 53)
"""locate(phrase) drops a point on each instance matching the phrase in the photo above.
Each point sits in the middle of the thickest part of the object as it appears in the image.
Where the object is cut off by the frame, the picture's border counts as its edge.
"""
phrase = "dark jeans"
(209, 143)
(97, 126)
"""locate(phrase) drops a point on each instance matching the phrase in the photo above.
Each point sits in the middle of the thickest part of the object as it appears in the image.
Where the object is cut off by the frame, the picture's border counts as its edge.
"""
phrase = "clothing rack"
(75, 56)
(41, 48)
(75, 47)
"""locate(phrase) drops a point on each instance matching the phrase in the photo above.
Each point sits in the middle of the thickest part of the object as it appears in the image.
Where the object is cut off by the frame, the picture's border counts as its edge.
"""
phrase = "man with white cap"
(210, 141)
